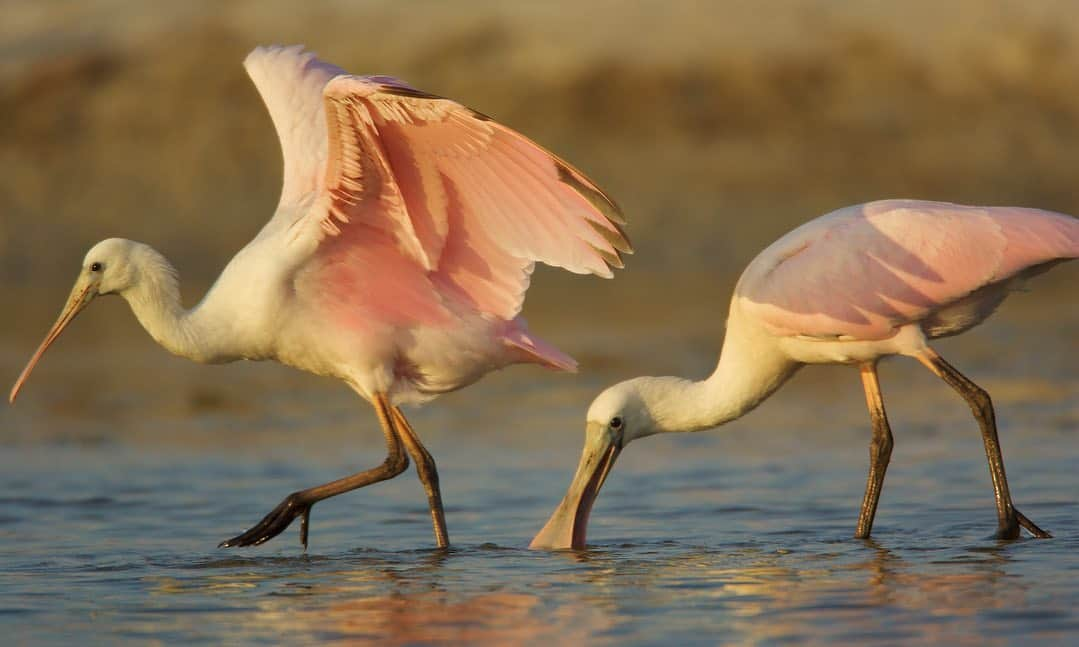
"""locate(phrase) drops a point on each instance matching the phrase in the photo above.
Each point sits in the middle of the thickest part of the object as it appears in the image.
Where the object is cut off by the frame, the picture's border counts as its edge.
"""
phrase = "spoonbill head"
(620, 414)
(616, 417)
(112, 266)
(850, 287)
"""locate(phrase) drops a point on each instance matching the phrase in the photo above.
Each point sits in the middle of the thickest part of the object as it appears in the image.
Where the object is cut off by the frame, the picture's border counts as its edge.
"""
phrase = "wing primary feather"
(478, 196)
(570, 176)
(555, 216)
(617, 244)
(518, 191)
(613, 260)
(556, 207)
(600, 200)
(408, 91)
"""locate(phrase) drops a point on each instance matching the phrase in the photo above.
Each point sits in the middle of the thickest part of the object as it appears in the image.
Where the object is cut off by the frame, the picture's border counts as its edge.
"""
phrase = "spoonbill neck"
(155, 300)
(750, 369)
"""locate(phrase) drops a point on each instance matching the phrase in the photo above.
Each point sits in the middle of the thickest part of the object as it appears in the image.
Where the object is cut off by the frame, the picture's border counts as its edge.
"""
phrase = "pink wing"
(862, 271)
(471, 203)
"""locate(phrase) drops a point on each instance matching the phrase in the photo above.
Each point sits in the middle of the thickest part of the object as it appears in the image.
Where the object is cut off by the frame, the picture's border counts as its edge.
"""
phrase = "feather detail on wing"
(474, 203)
(863, 271)
(470, 203)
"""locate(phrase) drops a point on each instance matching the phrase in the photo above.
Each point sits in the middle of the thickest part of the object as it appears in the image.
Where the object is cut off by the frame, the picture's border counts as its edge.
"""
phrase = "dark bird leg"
(425, 467)
(299, 503)
(880, 450)
(1009, 519)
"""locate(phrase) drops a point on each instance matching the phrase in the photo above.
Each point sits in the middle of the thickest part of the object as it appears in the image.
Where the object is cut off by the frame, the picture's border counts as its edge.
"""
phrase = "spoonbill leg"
(299, 503)
(425, 467)
(1008, 518)
(880, 449)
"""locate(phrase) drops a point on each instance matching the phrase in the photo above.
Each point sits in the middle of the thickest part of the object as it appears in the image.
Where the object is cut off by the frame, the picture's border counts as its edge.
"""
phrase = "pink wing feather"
(862, 271)
(476, 203)
(470, 203)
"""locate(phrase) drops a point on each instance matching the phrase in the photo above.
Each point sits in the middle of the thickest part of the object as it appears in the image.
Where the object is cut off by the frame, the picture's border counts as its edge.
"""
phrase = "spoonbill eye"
(616, 423)
(95, 267)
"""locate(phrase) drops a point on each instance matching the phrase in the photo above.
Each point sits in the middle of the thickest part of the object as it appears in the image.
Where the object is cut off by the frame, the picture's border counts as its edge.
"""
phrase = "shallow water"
(117, 484)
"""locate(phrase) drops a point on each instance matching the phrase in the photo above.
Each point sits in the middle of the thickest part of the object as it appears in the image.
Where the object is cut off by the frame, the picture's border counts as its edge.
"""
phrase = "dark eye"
(95, 267)
(616, 423)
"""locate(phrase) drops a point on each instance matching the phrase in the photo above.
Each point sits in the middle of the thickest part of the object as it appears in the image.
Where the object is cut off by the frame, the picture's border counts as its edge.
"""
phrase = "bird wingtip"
(263, 53)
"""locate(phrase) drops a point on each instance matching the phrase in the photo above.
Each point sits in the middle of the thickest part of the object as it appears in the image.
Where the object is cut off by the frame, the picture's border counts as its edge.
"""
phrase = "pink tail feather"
(536, 351)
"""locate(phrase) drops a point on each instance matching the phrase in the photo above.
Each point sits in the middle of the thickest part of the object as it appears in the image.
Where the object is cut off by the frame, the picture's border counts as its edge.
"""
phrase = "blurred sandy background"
(717, 125)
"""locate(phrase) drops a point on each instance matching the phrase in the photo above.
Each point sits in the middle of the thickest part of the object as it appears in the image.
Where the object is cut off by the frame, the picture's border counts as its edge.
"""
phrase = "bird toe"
(274, 523)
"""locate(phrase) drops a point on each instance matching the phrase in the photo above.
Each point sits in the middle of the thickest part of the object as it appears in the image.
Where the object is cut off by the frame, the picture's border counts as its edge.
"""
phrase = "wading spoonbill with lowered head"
(849, 287)
(397, 259)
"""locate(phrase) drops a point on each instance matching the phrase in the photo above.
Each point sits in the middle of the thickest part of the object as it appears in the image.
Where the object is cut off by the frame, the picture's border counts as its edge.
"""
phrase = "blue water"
(115, 490)
(108, 544)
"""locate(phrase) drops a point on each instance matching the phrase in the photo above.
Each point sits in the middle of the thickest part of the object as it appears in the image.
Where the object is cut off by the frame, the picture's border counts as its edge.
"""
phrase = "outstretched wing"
(862, 271)
(471, 202)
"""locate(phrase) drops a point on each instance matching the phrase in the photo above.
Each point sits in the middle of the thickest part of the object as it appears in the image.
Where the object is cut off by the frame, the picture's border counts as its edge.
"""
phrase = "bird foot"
(1031, 527)
(273, 524)
(1018, 521)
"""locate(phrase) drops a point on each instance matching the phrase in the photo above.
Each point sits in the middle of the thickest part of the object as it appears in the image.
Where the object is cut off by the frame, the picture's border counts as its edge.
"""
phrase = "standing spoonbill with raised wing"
(849, 287)
(397, 259)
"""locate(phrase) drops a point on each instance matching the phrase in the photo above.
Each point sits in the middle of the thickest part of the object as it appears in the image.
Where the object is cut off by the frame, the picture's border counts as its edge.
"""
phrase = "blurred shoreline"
(716, 131)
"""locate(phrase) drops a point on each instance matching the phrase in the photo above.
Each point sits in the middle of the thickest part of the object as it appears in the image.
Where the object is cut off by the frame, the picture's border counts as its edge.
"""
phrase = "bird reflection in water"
(792, 591)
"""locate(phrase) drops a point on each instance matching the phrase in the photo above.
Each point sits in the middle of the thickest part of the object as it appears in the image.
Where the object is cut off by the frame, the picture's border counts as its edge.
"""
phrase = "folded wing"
(861, 272)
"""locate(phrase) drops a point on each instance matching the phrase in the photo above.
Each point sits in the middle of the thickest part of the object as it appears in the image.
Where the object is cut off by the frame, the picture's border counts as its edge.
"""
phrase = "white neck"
(749, 370)
(154, 297)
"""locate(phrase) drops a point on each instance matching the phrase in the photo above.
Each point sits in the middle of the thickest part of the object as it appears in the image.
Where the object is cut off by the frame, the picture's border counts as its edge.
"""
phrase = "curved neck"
(750, 369)
(154, 297)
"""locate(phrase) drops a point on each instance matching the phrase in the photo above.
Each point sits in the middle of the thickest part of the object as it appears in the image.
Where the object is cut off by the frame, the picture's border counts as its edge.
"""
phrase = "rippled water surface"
(119, 475)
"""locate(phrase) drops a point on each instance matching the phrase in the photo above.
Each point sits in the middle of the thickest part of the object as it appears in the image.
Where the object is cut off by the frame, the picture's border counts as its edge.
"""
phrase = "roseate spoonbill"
(849, 287)
(397, 259)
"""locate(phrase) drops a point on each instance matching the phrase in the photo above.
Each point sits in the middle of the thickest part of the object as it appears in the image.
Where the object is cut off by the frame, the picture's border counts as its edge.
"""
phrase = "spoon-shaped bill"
(568, 526)
(81, 295)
